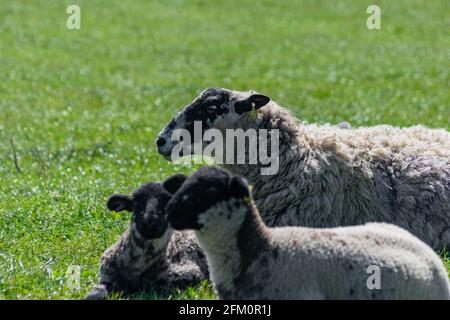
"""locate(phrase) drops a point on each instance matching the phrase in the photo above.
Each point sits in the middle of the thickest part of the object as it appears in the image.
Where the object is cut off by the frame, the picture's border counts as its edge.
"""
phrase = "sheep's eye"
(211, 109)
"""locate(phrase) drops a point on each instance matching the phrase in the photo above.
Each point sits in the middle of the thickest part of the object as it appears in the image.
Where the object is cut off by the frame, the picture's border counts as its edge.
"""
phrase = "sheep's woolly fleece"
(330, 177)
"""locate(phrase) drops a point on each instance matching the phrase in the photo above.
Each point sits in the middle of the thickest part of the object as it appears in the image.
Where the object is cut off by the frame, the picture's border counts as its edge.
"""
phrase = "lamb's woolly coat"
(134, 264)
(306, 263)
(248, 260)
(333, 177)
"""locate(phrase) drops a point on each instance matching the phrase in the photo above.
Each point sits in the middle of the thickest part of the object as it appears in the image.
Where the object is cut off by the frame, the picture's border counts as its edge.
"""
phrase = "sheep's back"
(335, 264)
(330, 177)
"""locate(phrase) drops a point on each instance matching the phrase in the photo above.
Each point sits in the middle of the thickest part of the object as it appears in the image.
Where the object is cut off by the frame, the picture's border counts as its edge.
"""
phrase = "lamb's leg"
(185, 275)
(98, 292)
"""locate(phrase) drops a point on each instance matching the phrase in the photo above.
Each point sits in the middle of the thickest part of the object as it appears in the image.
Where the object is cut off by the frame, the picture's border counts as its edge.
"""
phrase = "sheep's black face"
(202, 190)
(148, 206)
(214, 108)
(149, 203)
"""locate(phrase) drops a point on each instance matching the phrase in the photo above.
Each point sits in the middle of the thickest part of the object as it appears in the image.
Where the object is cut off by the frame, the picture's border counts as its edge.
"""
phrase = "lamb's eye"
(211, 109)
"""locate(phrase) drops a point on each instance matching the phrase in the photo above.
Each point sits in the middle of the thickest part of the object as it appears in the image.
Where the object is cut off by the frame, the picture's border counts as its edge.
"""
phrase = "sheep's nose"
(160, 142)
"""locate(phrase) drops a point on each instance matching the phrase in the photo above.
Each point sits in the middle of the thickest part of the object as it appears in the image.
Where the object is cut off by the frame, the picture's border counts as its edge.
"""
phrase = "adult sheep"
(332, 177)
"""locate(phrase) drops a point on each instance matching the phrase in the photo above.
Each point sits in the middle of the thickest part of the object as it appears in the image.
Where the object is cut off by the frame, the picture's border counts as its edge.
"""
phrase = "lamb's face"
(214, 108)
(148, 204)
(203, 190)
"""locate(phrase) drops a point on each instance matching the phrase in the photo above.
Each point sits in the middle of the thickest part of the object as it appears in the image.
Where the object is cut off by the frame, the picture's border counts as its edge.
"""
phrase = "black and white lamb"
(248, 260)
(332, 177)
(149, 254)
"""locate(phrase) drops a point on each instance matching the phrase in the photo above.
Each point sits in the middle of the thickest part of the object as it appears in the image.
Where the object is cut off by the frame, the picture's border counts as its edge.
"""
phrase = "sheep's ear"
(120, 202)
(258, 100)
(174, 182)
(239, 187)
(255, 101)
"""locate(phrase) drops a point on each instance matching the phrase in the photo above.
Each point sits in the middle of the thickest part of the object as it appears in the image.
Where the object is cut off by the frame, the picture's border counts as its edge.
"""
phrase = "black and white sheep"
(149, 254)
(331, 177)
(249, 260)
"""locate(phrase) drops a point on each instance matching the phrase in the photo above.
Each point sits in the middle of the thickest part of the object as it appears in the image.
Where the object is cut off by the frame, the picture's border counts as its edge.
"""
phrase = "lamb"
(329, 176)
(149, 254)
(249, 260)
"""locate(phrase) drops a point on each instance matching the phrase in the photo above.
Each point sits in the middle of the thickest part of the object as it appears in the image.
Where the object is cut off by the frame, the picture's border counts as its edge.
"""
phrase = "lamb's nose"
(160, 142)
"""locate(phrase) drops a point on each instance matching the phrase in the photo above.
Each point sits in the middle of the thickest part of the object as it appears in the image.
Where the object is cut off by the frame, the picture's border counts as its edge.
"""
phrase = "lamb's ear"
(174, 182)
(255, 101)
(120, 202)
(239, 187)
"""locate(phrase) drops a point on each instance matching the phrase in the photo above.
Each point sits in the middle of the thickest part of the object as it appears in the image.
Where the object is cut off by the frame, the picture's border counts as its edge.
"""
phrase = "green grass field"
(80, 109)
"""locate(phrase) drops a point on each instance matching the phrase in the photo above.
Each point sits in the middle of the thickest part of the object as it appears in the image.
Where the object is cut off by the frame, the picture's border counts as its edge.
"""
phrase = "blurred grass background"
(81, 108)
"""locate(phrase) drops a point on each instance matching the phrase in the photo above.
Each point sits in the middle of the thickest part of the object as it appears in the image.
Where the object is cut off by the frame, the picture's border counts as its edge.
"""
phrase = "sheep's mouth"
(153, 230)
(180, 220)
(170, 156)
(167, 156)
(166, 153)
(175, 221)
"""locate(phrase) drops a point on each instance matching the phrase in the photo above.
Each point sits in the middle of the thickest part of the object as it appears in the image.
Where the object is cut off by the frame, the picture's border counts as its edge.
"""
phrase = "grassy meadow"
(80, 109)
